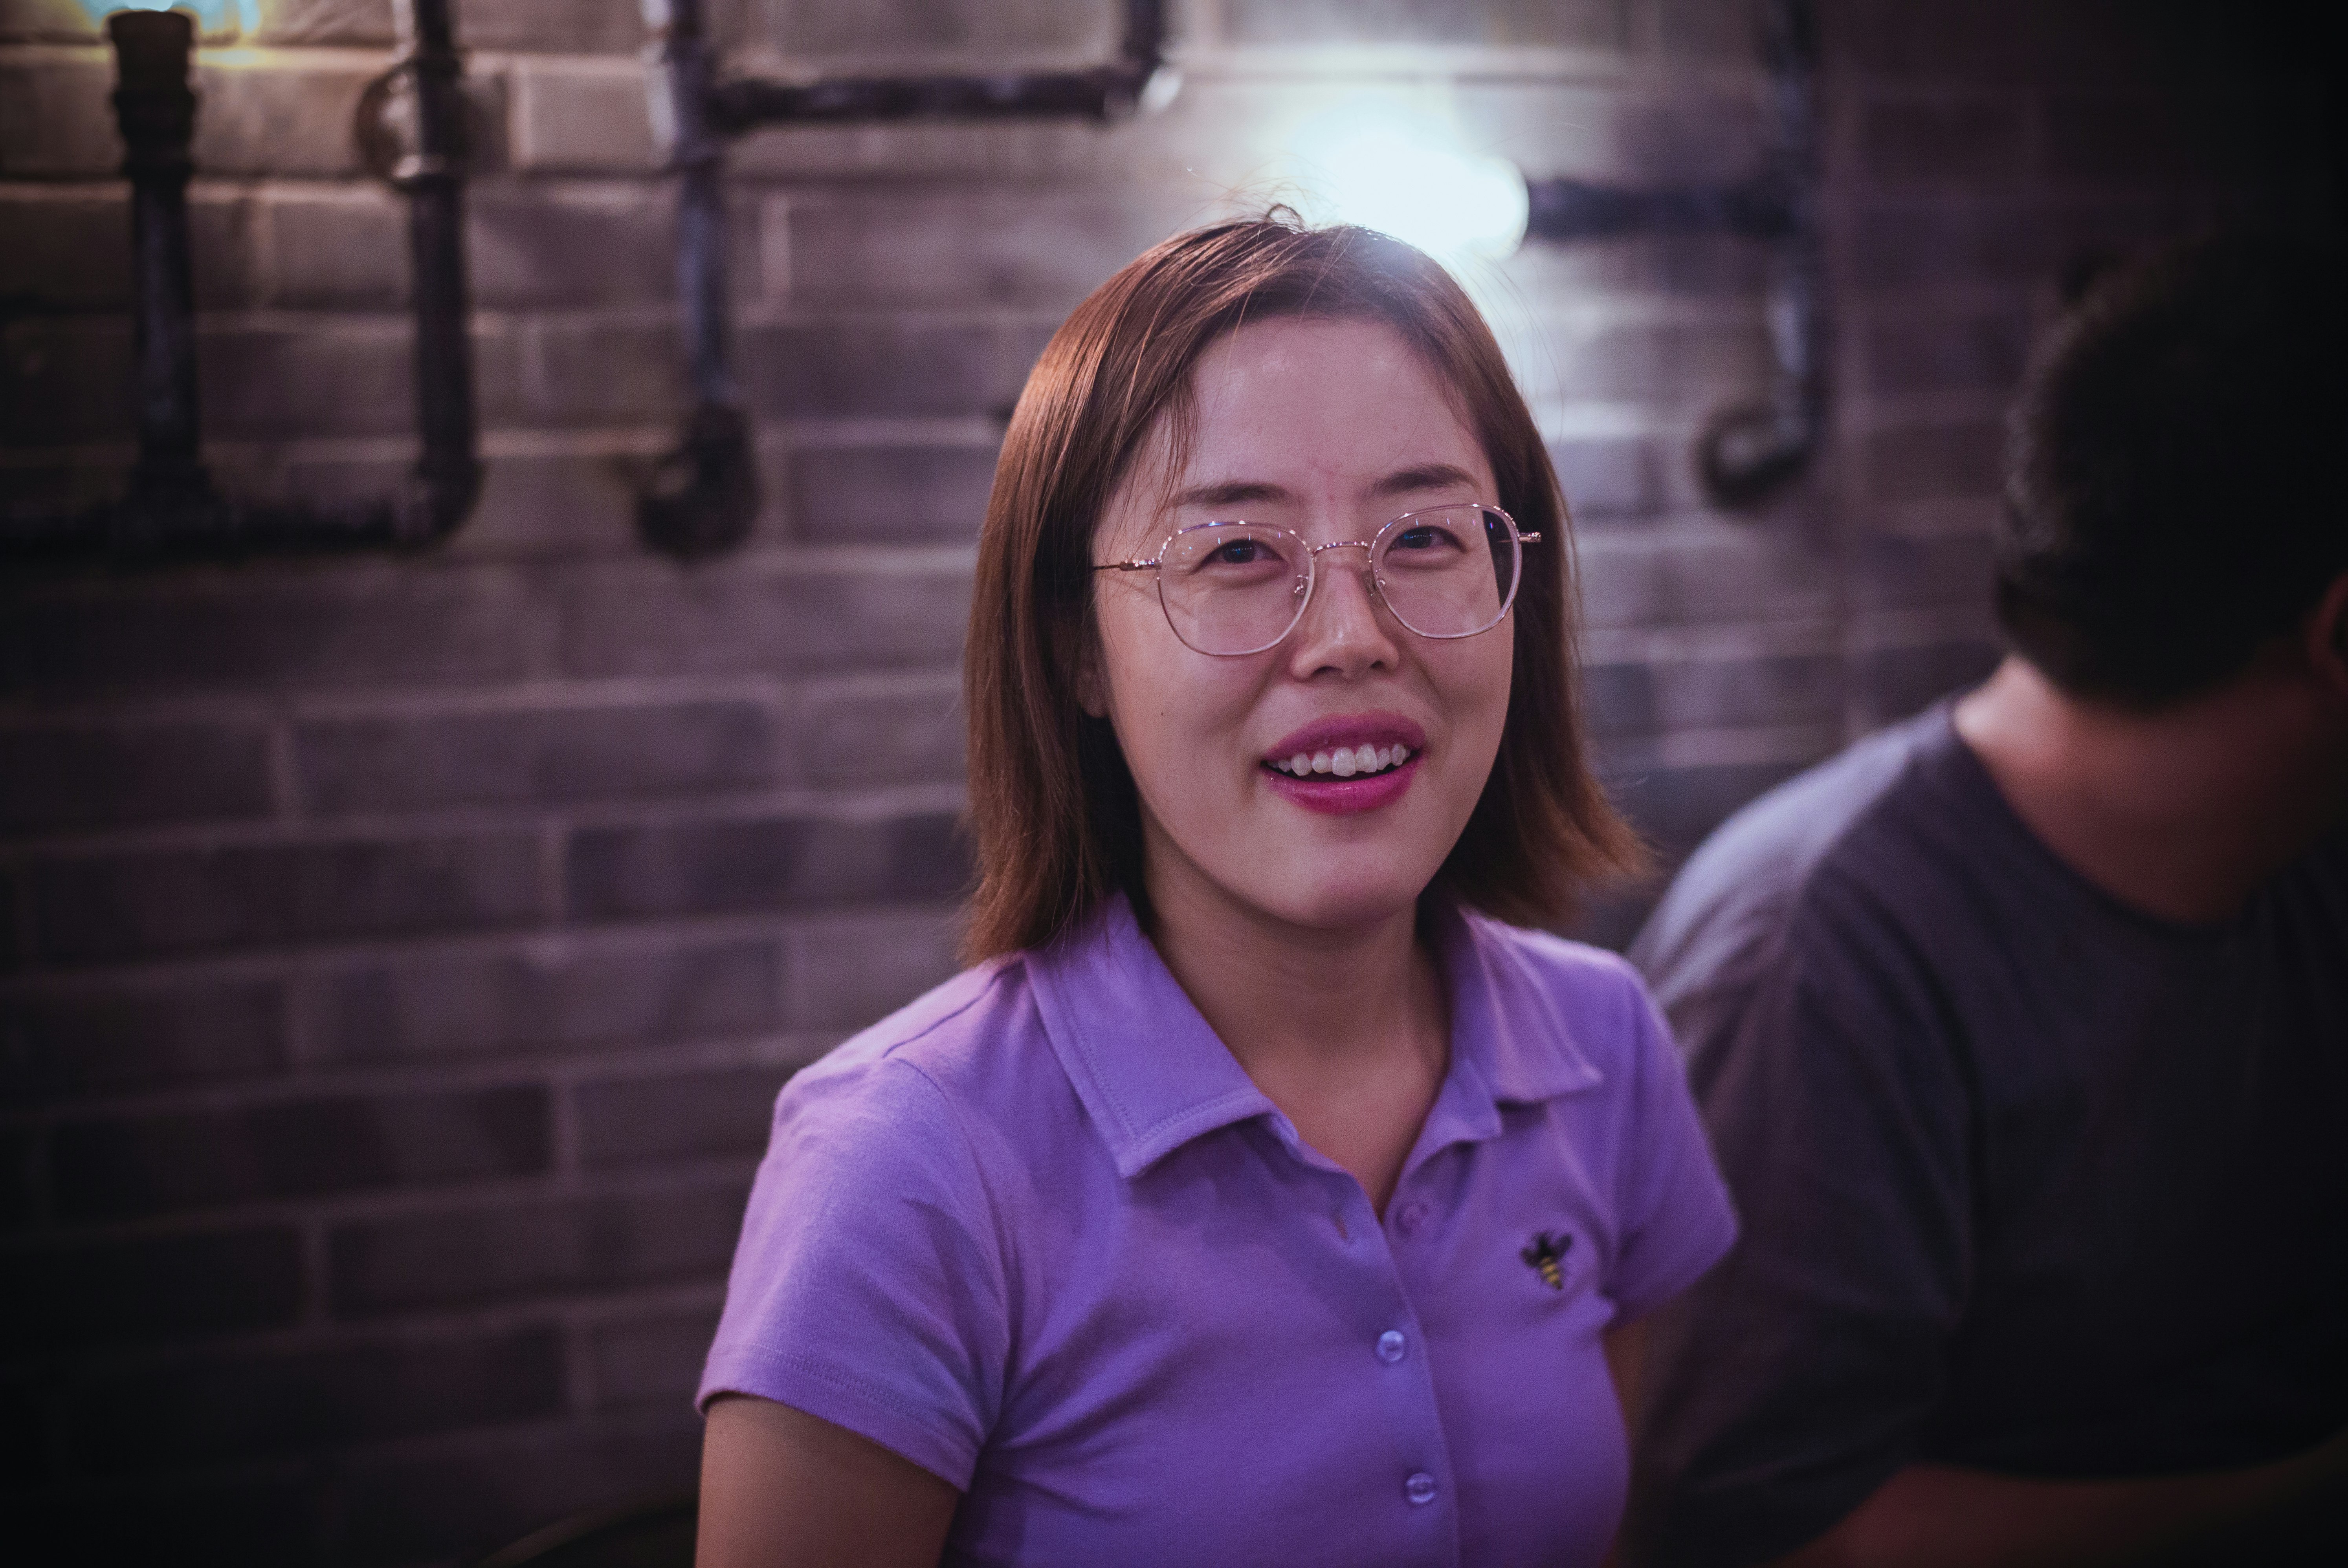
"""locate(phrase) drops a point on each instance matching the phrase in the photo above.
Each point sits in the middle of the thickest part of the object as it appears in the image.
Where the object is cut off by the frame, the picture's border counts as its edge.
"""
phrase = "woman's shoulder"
(1597, 1004)
(960, 1051)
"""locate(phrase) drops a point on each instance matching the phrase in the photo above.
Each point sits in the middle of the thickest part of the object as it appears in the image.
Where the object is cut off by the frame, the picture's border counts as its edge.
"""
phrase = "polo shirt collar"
(1152, 1075)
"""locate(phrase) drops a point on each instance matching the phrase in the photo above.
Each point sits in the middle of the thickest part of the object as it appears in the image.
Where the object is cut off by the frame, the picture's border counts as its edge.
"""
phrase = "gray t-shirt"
(2030, 1180)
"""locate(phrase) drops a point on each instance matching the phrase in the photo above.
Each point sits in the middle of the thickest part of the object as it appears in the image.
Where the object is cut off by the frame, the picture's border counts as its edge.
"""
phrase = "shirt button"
(1419, 1488)
(1410, 1217)
(1391, 1346)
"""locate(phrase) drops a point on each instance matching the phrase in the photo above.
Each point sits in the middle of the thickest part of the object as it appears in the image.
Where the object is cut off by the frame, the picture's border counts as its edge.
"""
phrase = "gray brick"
(855, 738)
(645, 617)
(1708, 30)
(889, 494)
(681, 1116)
(555, 26)
(566, 120)
(255, 1406)
(275, 118)
(535, 248)
(1924, 461)
(551, 755)
(650, 1360)
(1936, 352)
(1893, 682)
(1713, 693)
(46, 22)
(610, 373)
(57, 776)
(548, 997)
(1988, 42)
(1566, 23)
(1896, 245)
(54, 119)
(334, 627)
(980, 28)
(1892, 572)
(893, 366)
(83, 1292)
(143, 903)
(361, 23)
(73, 251)
(1973, 140)
(60, 1044)
(1610, 477)
(339, 247)
(354, 380)
(848, 973)
(1674, 809)
(566, 505)
(455, 1507)
(509, 1252)
(1023, 246)
(64, 381)
(748, 865)
(1666, 364)
(296, 1148)
(1718, 572)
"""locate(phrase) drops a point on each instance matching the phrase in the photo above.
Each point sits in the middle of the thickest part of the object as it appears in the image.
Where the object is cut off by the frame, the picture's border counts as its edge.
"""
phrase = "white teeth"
(1346, 761)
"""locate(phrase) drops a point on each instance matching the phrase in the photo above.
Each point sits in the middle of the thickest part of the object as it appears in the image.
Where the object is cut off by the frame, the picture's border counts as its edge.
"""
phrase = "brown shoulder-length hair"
(1053, 811)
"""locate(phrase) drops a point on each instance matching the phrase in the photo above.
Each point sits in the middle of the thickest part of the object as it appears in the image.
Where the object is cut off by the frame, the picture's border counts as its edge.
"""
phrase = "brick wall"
(398, 956)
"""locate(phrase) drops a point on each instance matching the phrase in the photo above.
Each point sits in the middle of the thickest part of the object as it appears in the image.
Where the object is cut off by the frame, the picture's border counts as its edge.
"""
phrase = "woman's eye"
(1428, 538)
(1239, 553)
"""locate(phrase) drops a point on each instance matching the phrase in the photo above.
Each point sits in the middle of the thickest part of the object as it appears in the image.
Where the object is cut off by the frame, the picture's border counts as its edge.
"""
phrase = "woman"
(1259, 1196)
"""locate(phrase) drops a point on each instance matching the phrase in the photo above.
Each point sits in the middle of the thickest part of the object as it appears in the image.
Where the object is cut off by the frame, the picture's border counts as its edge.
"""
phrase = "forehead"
(1315, 405)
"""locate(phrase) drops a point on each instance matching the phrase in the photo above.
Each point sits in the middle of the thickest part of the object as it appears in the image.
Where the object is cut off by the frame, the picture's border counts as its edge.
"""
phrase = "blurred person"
(2021, 1029)
(1264, 1195)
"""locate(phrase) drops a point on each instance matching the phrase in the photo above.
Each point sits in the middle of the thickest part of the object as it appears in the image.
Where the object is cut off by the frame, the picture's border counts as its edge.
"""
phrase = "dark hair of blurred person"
(2173, 502)
(2021, 1029)
(1228, 1208)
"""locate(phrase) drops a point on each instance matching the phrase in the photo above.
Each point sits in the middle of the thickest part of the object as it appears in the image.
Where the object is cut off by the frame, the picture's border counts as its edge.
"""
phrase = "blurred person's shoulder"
(1864, 847)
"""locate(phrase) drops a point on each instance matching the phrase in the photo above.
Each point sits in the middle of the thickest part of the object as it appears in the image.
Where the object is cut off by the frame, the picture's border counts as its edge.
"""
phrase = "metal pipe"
(703, 496)
(170, 509)
(447, 475)
(156, 111)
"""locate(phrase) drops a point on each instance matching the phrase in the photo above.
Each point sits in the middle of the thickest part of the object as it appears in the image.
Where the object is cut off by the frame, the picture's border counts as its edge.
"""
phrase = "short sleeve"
(1676, 1219)
(1794, 1379)
(867, 1288)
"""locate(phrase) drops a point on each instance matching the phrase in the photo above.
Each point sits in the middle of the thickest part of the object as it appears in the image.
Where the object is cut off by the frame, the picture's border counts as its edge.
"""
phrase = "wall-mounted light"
(170, 504)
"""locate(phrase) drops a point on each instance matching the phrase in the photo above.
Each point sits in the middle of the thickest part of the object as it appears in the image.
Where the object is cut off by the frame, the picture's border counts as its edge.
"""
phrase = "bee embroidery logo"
(1545, 1255)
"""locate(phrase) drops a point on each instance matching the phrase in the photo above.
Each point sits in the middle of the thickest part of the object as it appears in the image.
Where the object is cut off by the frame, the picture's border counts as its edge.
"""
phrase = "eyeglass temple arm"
(1126, 566)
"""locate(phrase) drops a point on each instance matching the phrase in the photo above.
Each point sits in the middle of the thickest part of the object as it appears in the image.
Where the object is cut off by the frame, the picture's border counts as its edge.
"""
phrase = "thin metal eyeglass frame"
(1313, 574)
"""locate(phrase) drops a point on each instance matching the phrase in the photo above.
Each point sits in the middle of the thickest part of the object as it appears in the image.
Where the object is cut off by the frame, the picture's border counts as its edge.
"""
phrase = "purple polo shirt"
(1041, 1235)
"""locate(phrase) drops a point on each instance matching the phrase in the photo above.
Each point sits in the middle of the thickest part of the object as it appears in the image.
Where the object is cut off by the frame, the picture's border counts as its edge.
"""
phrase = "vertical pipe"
(704, 495)
(157, 112)
(448, 472)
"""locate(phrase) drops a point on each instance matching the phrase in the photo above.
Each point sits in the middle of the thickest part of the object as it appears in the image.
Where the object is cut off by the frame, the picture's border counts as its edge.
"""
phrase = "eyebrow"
(1401, 482)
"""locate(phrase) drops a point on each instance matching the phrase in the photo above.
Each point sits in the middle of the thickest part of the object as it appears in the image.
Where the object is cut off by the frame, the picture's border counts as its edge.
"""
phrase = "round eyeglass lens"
(1448, 571)
(1233, 588)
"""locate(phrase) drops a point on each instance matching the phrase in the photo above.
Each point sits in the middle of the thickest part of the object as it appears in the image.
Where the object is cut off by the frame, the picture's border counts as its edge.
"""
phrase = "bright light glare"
(212, 15)
(1390, 166)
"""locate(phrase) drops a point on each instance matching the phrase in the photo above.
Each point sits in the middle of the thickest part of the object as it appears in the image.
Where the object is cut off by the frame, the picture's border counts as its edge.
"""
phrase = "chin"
(1345, 902)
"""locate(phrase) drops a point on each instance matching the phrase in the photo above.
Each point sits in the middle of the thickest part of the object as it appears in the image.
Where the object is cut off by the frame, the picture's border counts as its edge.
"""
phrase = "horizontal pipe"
(1567, 209)
(1104, 93)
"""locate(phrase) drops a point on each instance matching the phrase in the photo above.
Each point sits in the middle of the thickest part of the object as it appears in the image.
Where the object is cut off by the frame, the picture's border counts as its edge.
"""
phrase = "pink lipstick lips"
(1343, 766)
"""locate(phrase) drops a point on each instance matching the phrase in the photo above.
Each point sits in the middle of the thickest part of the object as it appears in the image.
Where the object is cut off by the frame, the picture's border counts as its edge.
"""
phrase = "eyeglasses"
(1235, 588)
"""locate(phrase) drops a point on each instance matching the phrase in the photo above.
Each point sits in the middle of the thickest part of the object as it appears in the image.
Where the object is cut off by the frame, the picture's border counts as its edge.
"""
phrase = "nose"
(1344, 630)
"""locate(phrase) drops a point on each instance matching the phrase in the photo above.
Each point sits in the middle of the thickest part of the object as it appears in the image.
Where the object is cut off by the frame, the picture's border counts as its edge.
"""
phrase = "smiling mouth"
(1341, 761)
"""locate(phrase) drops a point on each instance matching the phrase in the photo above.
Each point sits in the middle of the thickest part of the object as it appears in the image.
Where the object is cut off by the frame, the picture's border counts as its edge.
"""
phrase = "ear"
(1092, 688)
(2327, 637)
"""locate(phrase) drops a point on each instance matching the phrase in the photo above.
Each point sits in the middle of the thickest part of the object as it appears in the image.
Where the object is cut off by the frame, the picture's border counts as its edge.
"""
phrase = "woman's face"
(1328, 429)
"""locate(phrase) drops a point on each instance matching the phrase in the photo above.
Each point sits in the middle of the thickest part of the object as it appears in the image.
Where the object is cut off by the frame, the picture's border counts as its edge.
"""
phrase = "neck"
(2181, 812)
(1286, 998)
